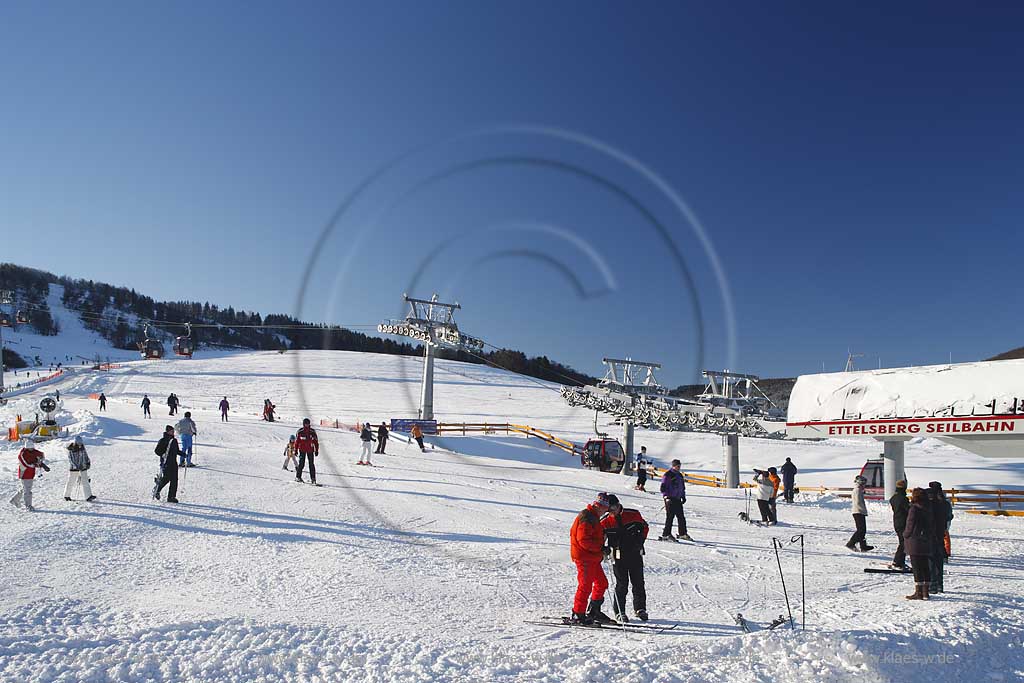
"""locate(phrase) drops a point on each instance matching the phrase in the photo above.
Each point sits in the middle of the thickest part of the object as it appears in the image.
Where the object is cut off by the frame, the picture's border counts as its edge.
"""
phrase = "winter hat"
(605, 499)
(188, 414)
(772, 470)
(901, 484)
(613, 500)
(305, 421)
(676, 462)
(859, 480)
(935, 485)
(78, 441)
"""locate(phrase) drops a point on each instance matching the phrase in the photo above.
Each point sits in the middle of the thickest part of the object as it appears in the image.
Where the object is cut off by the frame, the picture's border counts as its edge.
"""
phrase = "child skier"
(28, 460)
(78, 472)
(289, 454)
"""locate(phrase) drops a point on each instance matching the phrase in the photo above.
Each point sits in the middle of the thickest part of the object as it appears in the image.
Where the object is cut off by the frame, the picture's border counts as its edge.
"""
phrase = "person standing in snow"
(765, 488)
(268, 410)
(673, 490)
(641, 470)
(773, 477)
(78, 472)
(187, 430)
(308, 446)
(167, 449)
(417, 434)
(900, 505)
(224, 407)
(919, 538)
(586, 547)
(942, 514)
(289, 454)
(382, 438)
(860, 516)
(28, 460)
(788, 471)
(145, 405)
(625, 531)
(172, 403)
(103, 402)
(366, 437)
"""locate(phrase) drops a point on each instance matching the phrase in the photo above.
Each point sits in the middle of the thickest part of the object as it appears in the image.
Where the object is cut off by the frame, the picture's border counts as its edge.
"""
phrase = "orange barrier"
(94, 396)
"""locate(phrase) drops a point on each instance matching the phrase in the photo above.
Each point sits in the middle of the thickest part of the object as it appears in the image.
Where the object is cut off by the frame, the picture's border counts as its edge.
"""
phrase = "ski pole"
(776, 544)
(803, 585)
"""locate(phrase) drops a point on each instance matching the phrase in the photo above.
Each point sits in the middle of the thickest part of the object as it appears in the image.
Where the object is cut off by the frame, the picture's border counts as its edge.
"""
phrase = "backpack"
(161, 447)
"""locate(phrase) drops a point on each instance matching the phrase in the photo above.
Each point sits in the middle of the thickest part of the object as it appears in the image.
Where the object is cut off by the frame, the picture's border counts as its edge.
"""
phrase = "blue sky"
(858, 169)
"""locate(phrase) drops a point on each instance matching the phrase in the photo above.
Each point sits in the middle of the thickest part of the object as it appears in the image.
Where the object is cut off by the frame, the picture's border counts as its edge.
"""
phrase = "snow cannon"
(48, 427)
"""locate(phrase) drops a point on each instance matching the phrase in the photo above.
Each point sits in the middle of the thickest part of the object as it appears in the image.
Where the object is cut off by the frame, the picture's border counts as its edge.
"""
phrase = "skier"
(28, 460)
(920, 540)
(167, 449)
(788, 471)
(382, 438)
(942, 514)
(764, 495)
(900, 505)
(187, 429)
(673, 490)
(417, 434)
(78, 472)
(860, 514)
(586, 547)
(103, 402)
(224, 406)
(145, 405)
(773, 477)
(268, 410)
(366, 436)
(172, 403)
(625, 532)
(308, 446)
(289, 454)
(641, 470)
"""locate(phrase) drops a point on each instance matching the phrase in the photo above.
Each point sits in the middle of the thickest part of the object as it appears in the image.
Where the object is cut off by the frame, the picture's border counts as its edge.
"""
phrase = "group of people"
(268, 409)
(30, 459)
(922, 524)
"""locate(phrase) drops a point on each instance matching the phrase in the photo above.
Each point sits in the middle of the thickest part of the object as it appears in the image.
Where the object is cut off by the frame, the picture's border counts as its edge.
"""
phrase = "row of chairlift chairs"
(152, 348)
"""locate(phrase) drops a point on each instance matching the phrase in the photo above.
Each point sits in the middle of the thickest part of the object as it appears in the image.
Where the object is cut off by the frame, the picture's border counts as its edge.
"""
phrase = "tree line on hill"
(119, 313)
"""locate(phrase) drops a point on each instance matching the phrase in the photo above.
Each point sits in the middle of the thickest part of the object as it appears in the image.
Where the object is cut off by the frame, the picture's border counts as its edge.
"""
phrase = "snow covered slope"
(425, 569)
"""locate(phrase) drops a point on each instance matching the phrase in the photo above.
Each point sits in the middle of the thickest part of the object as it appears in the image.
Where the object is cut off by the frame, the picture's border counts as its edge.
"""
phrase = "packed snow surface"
(426, 567)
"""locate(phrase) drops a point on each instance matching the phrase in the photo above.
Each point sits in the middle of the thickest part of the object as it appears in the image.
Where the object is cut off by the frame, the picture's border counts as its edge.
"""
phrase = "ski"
(782, 619)
(566, 622)
(886, 570)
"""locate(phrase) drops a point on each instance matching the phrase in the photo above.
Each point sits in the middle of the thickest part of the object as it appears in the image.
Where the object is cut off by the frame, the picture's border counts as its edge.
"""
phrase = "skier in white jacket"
(860, 514)
(79, 463)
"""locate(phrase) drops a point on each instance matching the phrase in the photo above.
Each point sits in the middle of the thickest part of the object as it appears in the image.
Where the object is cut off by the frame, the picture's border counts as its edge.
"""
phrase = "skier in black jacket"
(900, 505)
(382, 438)
(167, 449)
(942, 513)
(788, 471)
(625, 531)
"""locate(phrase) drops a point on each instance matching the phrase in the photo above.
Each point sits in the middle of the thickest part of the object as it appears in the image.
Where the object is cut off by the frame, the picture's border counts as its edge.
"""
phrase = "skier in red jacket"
(586, 546)
(28, 460)
(308, 446)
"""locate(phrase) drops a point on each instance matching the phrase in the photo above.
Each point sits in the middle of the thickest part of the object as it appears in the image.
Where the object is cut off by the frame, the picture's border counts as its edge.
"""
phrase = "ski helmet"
(78, 441)
(291, 438)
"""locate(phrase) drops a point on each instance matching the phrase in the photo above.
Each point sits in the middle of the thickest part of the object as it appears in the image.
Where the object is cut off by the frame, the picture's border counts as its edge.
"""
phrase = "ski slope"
(426, 568)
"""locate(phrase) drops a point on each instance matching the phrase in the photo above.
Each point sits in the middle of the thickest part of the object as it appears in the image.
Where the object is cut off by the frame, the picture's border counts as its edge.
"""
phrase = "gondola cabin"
(151, 349)
(5, 320)
(184, 347)
(605, 455)
(22, 318)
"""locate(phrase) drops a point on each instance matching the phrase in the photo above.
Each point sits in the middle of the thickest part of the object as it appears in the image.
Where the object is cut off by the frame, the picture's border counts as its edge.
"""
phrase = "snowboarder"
(765, 488)
(417, 434)
(788, 471)
(773, 477)
(641, 470)
(224, 407)
(673, 490)
(900, 505)
(366, 436)
(167, 449)
(289, 454)
(942, 514)
(28, 460)
(308, 446)
(78, 472)
(625, 532)
(586, 547)
(268, 410)
(382, 438)
(919, 538)
(860, 515)
(103, 402)
(145, 405)
(187, 429)
(172, 403)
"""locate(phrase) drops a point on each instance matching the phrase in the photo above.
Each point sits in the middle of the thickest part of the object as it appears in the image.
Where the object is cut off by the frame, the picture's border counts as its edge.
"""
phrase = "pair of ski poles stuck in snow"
(778, 545)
